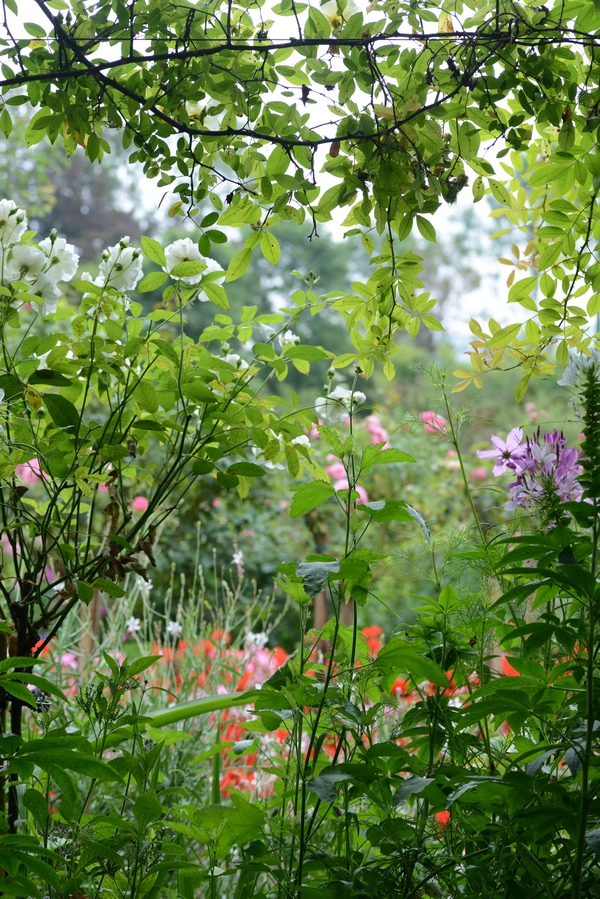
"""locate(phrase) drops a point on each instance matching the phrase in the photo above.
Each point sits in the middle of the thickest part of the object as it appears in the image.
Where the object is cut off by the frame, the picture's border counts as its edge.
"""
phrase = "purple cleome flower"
(508, 453)
(547, 470)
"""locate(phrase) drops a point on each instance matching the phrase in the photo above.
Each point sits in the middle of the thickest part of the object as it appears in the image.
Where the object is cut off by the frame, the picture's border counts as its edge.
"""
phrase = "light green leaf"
(145, 395)
(239, 264)
(270, 247)
(153, 250)
(309, 496)
(152, 282)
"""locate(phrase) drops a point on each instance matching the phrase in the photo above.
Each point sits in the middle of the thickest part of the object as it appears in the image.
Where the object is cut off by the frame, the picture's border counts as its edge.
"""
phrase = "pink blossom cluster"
(546, 468)
(377, 431)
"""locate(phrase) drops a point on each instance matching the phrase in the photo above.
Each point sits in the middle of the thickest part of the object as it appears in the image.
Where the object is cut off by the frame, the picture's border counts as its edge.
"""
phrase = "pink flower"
(139, 503)
(478, 474)
(102, 488)
(507, 454)
(378, 432)
(313, 434)
(216, 502)
(336, 471)
(69, 660)
(434, 423)
(29, 472)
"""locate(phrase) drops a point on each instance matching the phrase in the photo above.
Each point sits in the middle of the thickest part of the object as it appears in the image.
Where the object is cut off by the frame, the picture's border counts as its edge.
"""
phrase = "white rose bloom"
(13, 222)
(234, 360)
(336, 406)
(184, 250)
(25, 263)
(301, 441)
(44, 287)
(288, 339)
(121, 268)
(62, 258)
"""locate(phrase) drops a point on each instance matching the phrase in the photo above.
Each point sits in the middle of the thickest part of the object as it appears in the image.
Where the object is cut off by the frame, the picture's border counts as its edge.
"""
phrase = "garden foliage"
(460, 758)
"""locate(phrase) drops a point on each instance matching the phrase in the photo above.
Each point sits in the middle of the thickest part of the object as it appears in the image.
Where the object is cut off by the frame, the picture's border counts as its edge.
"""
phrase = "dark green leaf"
(61, 410)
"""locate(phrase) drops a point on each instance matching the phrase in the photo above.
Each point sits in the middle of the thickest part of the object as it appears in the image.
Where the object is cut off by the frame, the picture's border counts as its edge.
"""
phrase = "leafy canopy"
(406, 103)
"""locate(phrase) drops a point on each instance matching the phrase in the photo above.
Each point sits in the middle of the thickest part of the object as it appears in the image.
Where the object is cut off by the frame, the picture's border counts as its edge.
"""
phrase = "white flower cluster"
(39, 267)
(578, 364)
(338, 404)
(120, 269)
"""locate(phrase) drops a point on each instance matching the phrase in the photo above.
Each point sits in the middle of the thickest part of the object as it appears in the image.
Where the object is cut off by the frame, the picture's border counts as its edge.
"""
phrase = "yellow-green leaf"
(270, 247)
(238, 264)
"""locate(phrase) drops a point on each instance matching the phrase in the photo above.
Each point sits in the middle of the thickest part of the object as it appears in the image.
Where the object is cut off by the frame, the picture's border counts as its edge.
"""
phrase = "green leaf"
(152, 282)
(147, 808)
(188, 268)
(270, 247)
(153, 250)
(49, 378)
(478, 189)
(108, 587)
(5, 122)
(500, 193)
(426, 229)
(308, 353)
(201, 466)
(309, 496)
(521, 289)
(398, 656)
(71, 760)
(239, 264)
(246, 470)
(141, 665)
(325, 784)
(411, 786)
(315, 574)
(217, 295)
(145, 395)
(521, 388)
(504, 336)
(85, 592)
(18, 690)
(61, 410)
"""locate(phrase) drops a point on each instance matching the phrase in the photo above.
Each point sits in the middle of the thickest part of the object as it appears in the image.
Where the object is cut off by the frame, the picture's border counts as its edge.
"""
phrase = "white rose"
(62, 258)
(121, 267)
(13, 222)
(184, 250)
(25, 263)
(337, 406)
(45, 288)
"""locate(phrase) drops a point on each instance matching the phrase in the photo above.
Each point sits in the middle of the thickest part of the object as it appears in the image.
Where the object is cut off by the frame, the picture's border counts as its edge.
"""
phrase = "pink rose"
(139, 504)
